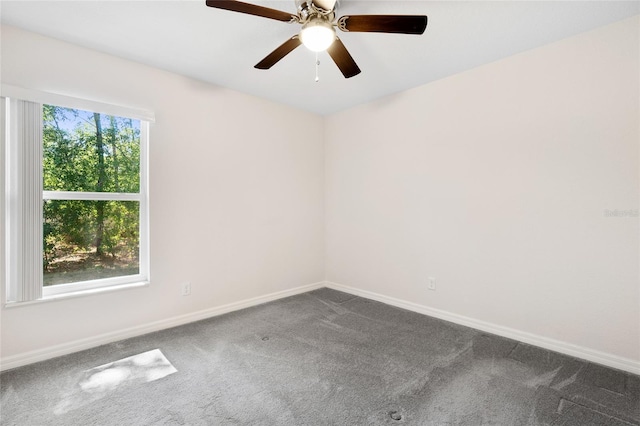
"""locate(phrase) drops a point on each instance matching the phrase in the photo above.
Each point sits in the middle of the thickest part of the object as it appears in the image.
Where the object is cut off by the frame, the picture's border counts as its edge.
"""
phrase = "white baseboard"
(30, 357)
(592, 355)
(598, 357)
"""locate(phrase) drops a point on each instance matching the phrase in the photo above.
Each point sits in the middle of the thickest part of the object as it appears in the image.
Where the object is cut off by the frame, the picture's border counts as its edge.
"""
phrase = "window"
(75, 195)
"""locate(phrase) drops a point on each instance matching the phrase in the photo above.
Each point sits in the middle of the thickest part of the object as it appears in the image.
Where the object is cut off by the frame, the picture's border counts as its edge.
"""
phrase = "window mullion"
(91, 196)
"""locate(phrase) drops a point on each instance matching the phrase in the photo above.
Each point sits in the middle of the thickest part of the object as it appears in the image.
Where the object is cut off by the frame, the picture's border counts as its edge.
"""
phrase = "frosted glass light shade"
(317, 36)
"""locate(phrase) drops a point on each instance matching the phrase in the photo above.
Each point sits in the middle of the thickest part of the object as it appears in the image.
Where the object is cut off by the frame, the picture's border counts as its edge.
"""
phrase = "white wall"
(236, 194)
(495, 182)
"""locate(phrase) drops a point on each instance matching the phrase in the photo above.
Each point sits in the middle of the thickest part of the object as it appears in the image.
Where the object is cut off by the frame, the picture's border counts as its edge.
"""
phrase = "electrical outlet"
(431, 283)
(186, 289)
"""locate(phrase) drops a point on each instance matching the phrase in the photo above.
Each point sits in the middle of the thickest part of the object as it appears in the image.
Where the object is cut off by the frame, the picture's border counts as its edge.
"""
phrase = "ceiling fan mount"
(308, 9)
(318, 20)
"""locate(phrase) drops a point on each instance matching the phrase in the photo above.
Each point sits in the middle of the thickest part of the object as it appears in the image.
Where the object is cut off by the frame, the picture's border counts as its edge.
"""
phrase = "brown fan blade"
(402, 24)
(343, 59)
(283, 50)
(251, 9)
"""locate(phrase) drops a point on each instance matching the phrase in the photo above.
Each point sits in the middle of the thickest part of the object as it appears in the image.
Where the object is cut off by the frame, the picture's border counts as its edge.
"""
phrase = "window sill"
(79, 293)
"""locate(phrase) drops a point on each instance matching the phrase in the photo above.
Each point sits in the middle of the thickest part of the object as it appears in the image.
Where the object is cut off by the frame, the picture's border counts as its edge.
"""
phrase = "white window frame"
(142, 197)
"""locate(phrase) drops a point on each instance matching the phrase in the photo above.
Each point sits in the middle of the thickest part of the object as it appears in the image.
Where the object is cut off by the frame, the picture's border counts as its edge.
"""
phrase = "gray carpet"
(320, 358)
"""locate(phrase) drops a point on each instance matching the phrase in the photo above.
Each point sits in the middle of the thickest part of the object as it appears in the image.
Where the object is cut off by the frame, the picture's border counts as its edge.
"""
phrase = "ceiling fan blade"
(343, 59)
(402, 24)
(283, 50)
(327, 5)
(251, 9)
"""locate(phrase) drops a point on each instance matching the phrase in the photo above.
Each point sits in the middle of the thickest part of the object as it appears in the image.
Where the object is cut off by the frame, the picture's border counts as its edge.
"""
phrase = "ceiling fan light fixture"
(317, 35)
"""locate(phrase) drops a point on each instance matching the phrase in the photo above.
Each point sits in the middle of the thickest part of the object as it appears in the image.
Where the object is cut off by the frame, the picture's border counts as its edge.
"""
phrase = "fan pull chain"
(317, 64)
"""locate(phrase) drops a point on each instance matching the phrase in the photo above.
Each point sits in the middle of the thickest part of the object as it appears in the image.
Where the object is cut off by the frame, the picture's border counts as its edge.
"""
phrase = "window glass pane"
(87, 240)
(90, 152)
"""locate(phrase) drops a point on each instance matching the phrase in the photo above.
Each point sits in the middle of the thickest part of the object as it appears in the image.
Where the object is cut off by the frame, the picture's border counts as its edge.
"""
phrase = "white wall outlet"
(185, 289)
(431, 283)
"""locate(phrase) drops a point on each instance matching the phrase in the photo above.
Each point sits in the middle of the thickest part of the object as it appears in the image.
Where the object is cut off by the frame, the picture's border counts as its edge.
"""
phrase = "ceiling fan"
(318, 20)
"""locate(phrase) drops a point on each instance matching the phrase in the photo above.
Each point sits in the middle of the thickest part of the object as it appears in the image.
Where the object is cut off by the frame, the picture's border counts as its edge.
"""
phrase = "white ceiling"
(221, 47)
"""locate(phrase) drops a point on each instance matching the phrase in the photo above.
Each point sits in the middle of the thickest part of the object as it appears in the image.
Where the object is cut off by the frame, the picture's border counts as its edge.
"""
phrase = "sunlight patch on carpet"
(98, 382)
(141, 368)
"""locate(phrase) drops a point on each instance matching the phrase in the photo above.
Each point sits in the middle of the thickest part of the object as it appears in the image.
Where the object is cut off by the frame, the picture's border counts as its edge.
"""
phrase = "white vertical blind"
(25, 201)
(3, 188)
